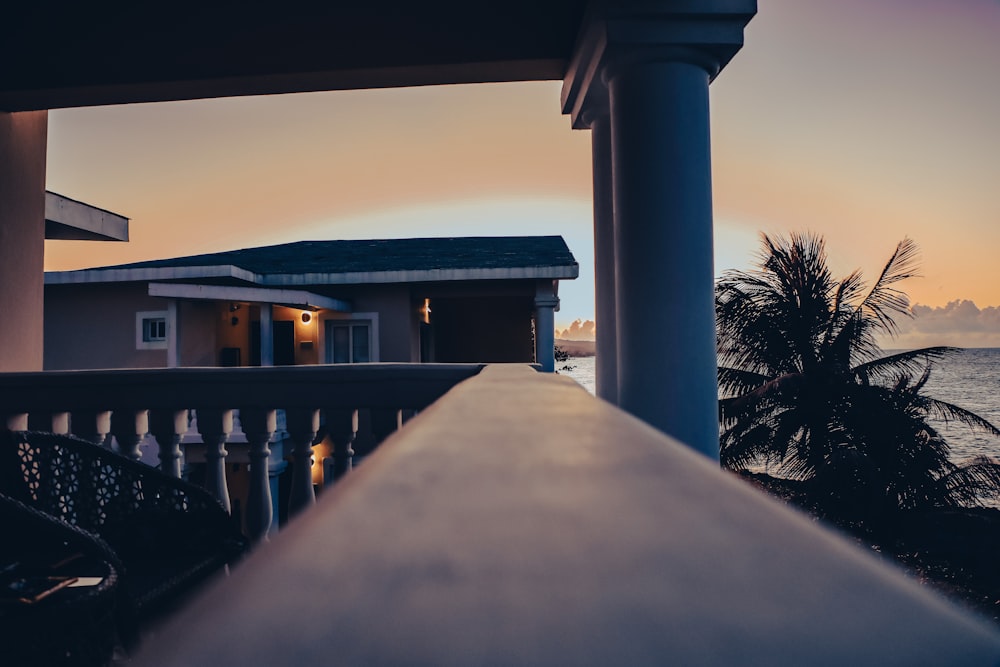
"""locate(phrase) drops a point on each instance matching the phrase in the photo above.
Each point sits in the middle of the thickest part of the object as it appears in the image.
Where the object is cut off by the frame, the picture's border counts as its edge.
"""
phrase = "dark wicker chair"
(74, 626)
(167, 535)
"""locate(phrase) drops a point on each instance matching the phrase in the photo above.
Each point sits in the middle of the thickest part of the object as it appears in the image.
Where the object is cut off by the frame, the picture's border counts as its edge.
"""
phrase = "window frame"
(141, 317)
(351, 321)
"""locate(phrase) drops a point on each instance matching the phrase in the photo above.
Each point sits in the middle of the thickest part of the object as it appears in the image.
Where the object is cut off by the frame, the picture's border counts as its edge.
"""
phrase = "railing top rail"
(521, 521)
(347, 385)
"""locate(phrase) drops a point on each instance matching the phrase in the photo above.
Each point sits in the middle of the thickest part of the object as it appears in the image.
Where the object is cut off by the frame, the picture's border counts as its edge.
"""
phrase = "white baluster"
(169, 427)
(342, 428)
(92, 425)
(129, 428)
(16, 421)
(215, 426)
(303, 424)
(258, 425)
(50, 422)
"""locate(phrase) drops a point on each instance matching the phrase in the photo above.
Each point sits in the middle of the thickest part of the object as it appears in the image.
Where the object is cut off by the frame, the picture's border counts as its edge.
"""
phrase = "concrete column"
(663, 244)
(606, 359)
(173, 334)
(22, 238)
(546, 303)
(266, 334)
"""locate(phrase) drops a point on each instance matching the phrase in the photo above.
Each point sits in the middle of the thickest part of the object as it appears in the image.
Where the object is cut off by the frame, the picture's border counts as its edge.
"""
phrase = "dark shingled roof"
(384, 255)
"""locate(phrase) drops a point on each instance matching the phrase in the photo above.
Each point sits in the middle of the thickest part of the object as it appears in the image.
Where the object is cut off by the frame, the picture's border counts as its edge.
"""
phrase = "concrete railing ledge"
(519, 520)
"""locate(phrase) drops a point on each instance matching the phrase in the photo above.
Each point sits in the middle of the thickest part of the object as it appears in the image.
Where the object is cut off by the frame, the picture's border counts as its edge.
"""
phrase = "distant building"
(400, 300)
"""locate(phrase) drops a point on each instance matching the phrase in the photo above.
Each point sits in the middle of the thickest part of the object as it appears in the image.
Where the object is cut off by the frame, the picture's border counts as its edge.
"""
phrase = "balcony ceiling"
(66, 54)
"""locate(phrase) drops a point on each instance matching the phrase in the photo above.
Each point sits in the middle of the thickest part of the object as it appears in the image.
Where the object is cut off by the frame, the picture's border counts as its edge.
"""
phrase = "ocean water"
(970, 379)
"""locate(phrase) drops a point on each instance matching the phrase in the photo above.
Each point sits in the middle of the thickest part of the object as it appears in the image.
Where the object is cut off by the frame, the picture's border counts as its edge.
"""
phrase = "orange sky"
(864, 120)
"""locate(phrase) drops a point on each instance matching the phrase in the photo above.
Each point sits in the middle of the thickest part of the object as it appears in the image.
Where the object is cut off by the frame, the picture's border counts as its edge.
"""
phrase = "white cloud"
(578, 330)
(960, 323)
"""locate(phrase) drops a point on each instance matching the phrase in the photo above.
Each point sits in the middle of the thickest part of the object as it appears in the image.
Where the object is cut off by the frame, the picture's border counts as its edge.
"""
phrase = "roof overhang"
(149, 274)
(282, 297)
(568, 272)
(162, 273)
(95, 54)
(70, 220)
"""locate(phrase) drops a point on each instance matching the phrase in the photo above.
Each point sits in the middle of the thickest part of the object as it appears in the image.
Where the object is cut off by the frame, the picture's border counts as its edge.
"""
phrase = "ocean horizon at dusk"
(968, 379)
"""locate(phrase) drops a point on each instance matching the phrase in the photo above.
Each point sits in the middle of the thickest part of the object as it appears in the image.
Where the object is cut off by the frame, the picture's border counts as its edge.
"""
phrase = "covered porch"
(515, 519)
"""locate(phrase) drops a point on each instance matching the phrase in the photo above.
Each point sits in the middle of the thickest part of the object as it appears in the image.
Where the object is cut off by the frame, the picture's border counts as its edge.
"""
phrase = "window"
(151, 330)
(154, 329)
(348, 341)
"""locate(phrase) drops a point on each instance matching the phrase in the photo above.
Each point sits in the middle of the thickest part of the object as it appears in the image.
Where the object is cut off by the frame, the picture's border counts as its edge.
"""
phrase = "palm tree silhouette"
(806, 390)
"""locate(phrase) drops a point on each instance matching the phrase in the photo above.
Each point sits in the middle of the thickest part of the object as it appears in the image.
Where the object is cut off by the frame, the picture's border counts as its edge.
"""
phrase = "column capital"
(547, 302)
(547, 294)
(615, 34)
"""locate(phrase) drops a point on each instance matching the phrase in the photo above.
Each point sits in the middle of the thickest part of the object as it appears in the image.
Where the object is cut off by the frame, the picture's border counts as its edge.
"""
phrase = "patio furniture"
(58, 591)
(168, 535)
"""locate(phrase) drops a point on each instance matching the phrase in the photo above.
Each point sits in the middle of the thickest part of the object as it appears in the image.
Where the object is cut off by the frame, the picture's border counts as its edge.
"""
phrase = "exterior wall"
(397, 320)
(232, 329)
(198, 342)
(93, 326)
(22, 234)
(392, 303)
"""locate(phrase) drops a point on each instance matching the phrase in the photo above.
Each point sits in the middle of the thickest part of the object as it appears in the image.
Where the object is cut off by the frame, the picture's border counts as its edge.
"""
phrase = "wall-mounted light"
(306, 317)
(425, 312)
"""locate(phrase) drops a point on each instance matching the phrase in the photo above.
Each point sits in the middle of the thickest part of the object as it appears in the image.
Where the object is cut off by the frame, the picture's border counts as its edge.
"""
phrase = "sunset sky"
(863, 120)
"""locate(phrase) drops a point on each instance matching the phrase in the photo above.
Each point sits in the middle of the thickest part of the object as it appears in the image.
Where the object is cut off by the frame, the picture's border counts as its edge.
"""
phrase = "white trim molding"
(372, 319)
(144, 341)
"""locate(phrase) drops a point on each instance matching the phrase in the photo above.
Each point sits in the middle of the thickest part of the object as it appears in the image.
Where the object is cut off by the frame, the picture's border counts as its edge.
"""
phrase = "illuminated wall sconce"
(425, 312)
(306, 317)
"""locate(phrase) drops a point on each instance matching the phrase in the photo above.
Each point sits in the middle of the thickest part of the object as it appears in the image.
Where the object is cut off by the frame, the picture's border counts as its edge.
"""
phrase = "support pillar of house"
(173, 334)
(652, 60)
(546, 303)
(663, 243)
(606, 354)
(266, 334)
(22, 238)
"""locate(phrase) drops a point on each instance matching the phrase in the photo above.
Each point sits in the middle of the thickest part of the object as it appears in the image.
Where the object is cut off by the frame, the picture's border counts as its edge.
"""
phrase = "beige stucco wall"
(22, 239)
(232, 329)
(197, 325)
(93, 326)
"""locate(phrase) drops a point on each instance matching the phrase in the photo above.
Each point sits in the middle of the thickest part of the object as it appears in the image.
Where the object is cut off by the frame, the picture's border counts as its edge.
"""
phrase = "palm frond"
(884, 302)
(903, 363)
(951, 412)
(971, 482)
(734, 381)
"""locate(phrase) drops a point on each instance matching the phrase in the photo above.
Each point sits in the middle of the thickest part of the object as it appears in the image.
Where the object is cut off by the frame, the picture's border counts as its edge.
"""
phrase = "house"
(451, 300)
(470, 299)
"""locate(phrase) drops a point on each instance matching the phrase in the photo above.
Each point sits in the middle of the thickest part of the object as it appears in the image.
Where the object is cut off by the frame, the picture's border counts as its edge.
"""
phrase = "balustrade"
(197, 415)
